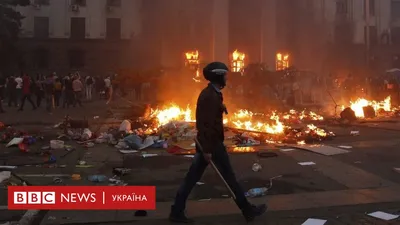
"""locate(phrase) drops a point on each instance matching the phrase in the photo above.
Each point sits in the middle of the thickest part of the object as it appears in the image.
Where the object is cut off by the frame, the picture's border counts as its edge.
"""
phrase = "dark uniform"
(209, 123)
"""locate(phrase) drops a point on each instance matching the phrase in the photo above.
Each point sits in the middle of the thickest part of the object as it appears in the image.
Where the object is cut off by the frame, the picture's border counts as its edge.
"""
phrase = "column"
(268, 33)
(220, 30)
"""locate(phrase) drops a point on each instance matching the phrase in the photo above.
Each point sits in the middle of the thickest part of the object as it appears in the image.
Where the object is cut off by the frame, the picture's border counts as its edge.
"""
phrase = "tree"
(10, 24)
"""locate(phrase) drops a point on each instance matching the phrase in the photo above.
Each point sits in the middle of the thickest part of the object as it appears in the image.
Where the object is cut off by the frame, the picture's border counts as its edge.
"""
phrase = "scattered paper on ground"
(314, 222)
(149, 141)
(345, 146)
(306, 163)
(323, 149)
(128, 151)
(287, 149)
(383, 215)
(188, 156)
(5, 175)
(15, 141)
(149, 155)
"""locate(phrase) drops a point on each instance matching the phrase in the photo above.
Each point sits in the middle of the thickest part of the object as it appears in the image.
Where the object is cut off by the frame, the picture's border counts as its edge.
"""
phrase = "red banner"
(81, 197)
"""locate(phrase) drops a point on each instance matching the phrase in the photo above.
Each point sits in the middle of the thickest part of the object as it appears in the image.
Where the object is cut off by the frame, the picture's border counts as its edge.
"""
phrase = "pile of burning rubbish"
(248, 128)
(369, 109)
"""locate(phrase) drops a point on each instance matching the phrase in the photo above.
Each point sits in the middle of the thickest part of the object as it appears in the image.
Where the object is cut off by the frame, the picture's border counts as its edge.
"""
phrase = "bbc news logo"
(34, 198)
(85, 198)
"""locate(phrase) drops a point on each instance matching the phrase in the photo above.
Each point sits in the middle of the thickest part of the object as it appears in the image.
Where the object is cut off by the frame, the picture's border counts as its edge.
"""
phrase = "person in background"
(18, 92)
(49, 91)
(39, 92)
(2, 86)
(89, 87)
(68, 99)
(26, 92)
(108, 89)
(12, 92)
(77, 88)
(58, 87)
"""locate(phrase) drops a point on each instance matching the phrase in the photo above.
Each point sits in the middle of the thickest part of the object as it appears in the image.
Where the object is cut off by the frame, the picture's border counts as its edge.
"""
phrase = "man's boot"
(178, 216)
(253, 211)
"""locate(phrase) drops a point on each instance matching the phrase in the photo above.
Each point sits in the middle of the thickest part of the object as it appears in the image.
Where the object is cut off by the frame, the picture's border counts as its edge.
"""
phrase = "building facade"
(347, 22)
(108, 35)
(85, 35)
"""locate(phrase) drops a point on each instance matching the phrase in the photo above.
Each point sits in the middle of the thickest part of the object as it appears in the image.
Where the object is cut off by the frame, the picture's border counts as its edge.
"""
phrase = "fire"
(282, 61)
(358, 105)
(193, 61)
(243, 119)
(238, 61)
(272, 127)
(192, 57)
(171, 113)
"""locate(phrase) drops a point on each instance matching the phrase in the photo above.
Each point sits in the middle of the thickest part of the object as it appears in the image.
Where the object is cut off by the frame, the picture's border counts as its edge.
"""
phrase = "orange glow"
(238, 61)
(282, 61)
(192, 60)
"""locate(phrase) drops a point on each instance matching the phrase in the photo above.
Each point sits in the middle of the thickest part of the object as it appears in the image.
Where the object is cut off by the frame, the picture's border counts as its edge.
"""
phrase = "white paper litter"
(314, 222)
(306, 163)
(383, 215)
(149, 155)
(149, 141)
(199, 183)
(345, 146)
(4, 175)
(128, 151)
(15, 141)
(8, 167)
(287, 149)
(188, 156)
(193, 145)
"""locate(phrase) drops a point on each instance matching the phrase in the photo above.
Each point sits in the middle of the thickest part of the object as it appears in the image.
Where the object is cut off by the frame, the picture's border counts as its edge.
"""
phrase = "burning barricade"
(367, 109)
(246, 128)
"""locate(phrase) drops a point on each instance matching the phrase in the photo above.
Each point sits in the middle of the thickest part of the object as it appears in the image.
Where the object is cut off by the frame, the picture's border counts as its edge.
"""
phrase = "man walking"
(209, 123)
(89, 87)
(49, 92)
(77, 87)
(26, 92)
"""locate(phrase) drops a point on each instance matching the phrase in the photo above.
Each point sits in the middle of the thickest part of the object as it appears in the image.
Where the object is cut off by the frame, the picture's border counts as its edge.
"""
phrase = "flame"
(282, 61)
(238, 61)
(358, 105)
(274, 124)
(192, 56)
(171, 113)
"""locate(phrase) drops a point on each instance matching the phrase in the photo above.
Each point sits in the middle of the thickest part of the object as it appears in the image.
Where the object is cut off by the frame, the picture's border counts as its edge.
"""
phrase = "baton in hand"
(216, 170)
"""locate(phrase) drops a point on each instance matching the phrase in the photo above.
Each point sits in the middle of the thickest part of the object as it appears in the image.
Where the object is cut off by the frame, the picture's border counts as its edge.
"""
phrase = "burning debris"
(363, 108)
(291, 127)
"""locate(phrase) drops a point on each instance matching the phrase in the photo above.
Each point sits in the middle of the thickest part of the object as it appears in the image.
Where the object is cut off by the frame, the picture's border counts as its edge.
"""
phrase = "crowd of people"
(54, 91)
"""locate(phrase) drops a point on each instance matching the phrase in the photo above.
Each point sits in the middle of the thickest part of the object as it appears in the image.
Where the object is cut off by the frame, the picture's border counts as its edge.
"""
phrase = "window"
(114, 3)
(41, 27)
(113, 28)
(41, 2)
(79, 2)
(395, 9)
(371, 8)
(78, 28)
(76, 59)
(341, 7)
(373, 35)
(41, 58)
